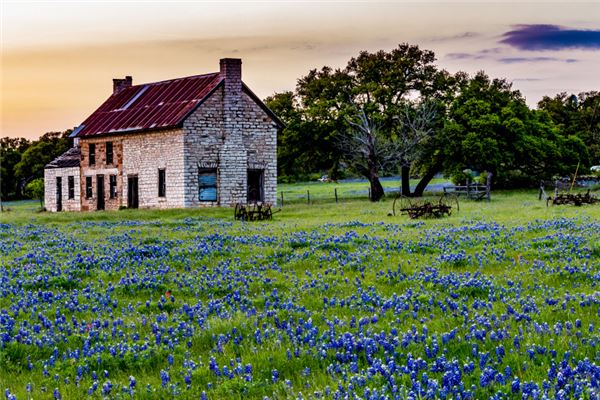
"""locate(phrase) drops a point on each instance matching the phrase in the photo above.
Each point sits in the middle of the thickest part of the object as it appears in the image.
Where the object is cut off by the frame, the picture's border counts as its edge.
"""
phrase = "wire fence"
(320, 196)
(339, 192)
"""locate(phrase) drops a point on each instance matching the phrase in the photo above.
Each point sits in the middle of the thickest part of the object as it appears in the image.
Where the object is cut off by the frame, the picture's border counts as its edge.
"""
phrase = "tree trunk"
(405, 178)
(426, 179)
(376, 189)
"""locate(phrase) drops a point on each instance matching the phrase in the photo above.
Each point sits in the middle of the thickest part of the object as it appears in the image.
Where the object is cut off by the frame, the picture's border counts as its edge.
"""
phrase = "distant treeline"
(22, 161)
(399, 102)
(397, 112)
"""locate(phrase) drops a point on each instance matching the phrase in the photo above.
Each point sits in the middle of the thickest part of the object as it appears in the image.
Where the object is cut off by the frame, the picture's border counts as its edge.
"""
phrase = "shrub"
(35, 190)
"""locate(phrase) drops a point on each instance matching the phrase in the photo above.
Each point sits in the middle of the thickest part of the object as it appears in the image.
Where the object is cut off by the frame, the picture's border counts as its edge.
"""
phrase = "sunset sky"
(59, 57)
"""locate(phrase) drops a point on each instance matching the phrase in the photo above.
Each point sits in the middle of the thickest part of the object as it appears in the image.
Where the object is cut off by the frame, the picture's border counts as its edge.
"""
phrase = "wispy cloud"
(551, 37)
(527, 80)
(458, 36)
(493, 54)
(465, 56)
(514, 60)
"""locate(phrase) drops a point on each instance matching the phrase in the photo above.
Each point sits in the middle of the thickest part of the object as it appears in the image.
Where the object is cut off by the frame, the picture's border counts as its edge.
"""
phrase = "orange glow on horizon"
(59, 58)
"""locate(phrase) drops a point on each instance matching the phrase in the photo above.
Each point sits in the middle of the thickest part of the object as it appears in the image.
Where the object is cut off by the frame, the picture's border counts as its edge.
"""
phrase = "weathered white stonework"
(51, 191)
(231, 131)
(145, 154)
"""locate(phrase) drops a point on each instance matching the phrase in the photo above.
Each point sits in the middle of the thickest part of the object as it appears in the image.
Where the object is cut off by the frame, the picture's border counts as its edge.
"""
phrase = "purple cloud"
(551, 37)
(486, 55)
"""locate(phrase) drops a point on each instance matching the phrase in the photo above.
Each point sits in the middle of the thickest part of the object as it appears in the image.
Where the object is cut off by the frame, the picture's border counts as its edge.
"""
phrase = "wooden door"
(100, 192)
(132, 192)
(58, 193)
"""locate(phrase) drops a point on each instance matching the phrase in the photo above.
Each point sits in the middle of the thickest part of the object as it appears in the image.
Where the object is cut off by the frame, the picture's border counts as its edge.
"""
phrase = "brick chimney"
(121, 84)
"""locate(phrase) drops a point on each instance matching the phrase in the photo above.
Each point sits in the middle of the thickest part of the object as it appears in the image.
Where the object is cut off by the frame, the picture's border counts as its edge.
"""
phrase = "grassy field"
(499, 300)
(320, 192)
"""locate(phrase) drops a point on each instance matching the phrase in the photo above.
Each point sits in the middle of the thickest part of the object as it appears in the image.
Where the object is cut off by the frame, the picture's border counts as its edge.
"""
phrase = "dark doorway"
(58, 193)
(255, 185)
(132, 192)
(100, 192)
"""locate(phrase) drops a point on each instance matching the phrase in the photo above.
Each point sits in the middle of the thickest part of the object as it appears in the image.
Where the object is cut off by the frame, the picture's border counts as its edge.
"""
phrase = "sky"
(59, 57)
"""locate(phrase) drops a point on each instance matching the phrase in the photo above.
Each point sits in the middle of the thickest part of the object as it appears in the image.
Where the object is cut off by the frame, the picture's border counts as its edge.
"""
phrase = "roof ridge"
(175, 79)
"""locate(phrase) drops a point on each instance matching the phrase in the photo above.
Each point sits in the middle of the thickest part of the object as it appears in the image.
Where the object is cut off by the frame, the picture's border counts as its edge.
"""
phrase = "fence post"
(308, 197)
(468, 188)
(369, 192)
(281, 199)
(335, 192)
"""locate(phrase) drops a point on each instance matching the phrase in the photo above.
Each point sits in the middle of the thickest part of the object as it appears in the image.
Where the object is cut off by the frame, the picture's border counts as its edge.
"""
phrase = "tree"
(11, 150)
(303, 145)
(367, 151)
(577, 116)
(490, 128)
(382, 84)
(420, 122)
(35, 190)
(40, 153)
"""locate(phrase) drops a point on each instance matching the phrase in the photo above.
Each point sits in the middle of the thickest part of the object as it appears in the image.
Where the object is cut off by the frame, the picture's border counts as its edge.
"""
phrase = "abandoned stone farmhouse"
(203, 140)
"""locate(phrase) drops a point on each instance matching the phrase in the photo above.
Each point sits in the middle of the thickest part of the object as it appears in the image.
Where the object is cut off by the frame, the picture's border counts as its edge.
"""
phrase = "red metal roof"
(157, 105)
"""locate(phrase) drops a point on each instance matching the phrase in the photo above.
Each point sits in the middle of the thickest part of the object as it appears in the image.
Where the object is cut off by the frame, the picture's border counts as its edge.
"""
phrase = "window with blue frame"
(207, 184)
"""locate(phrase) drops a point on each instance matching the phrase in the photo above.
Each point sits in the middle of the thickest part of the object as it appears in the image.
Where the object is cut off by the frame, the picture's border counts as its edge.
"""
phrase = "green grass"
(321, 192)
(322, 262)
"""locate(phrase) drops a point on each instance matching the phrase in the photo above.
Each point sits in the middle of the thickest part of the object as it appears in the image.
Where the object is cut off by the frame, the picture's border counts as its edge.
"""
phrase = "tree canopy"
(490, 128)
(577, 116)
(24, 161)
(480, 123)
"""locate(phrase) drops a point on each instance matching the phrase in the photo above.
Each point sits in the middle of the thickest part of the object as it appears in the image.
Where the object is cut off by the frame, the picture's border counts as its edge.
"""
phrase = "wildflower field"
(500, 300)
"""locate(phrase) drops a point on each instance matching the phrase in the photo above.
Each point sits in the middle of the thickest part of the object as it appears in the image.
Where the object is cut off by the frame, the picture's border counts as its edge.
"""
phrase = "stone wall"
(233, 157)
(203, 140)
(145, 154)
(141, 154)
(259, 135)
(101, 167)
(50, 175)
(207, 145)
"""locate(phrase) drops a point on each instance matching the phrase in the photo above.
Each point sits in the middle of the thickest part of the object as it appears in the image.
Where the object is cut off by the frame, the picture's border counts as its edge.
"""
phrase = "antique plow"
(424, 208)
(253, 212)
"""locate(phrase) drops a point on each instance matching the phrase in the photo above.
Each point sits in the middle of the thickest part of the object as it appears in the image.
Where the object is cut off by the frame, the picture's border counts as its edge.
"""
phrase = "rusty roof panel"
(158, 105)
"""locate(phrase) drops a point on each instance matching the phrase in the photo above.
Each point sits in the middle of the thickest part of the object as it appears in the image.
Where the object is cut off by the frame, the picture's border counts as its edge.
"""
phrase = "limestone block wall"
(253, 145)
(143, 155)
(101, 167)
(259, 135)
(203, 140)
(50, 190)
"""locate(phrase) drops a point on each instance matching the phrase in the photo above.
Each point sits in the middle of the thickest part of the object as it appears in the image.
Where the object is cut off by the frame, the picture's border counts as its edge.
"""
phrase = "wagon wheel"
(268, 214)
(252, 212)
(451, 199)
(404, 205)
(240, 212)
(399, 200)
